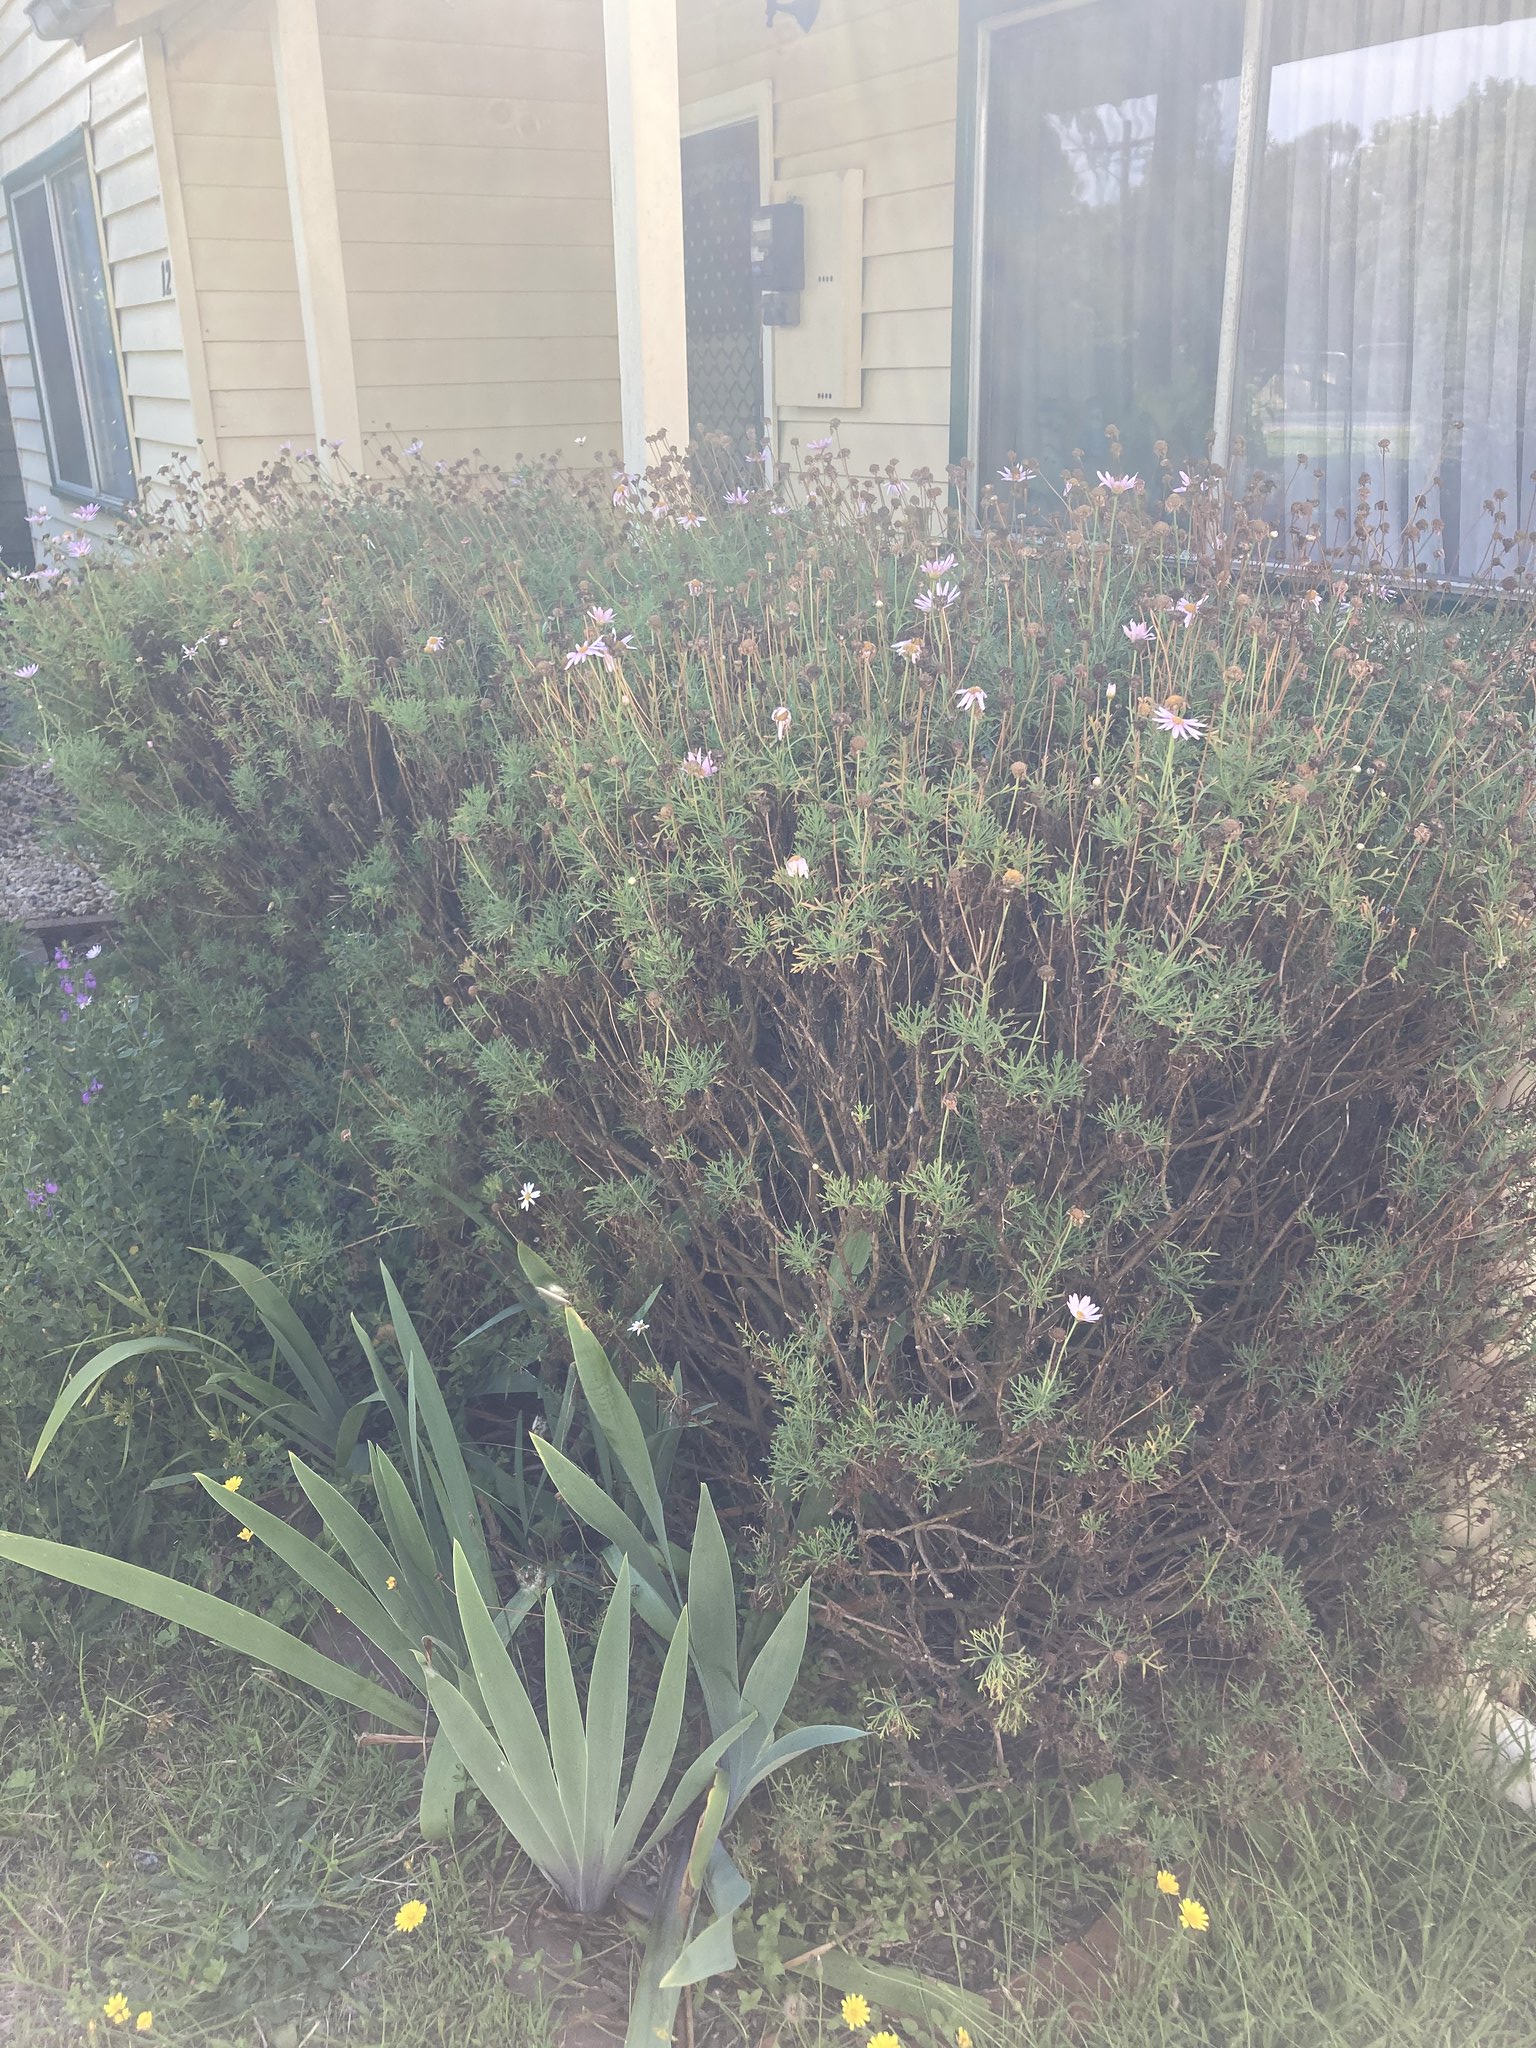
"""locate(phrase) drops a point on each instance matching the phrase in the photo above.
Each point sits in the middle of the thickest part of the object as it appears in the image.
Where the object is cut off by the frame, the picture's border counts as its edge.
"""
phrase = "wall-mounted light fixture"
(804, 11)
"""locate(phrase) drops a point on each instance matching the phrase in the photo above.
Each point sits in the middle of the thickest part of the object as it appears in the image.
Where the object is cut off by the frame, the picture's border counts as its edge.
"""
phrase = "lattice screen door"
(725, 338)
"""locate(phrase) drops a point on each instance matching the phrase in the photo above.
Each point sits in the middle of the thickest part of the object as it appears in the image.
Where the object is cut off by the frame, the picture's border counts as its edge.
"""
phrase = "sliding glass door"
(1299, 235)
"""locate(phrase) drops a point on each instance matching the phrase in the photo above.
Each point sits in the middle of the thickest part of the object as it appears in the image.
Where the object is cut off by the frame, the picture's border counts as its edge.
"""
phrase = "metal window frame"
(980, 21)
(39, 173)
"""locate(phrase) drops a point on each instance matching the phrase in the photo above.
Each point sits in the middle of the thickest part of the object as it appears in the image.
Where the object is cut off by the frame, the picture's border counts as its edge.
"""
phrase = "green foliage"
(1211, 1028)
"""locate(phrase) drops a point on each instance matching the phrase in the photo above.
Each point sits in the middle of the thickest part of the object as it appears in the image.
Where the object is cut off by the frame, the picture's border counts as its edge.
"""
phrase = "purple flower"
(413, 447)
(738, 496)
(1176, 725)
(700, 761)
(1117, 484)
(600, 614)
(40, 517)
(1137, 630)
(595, 649)
(972, 700)
(87, 511)
(90, 1091)
(942, 594)
(1016, 473)
(26, 673)
(82, 546)
(816, 447)
(689, 520)
(939, 566)
(1181, 486)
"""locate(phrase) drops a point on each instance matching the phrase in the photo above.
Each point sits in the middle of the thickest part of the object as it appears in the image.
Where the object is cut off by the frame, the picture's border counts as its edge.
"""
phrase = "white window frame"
(39, 176)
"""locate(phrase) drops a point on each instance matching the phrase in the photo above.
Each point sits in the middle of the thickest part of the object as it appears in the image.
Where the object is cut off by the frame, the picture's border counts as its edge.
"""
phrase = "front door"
(725, 335)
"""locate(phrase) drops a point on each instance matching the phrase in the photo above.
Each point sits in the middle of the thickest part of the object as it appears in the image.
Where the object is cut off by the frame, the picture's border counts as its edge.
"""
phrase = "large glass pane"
(1110, 138)
(1386, 377)
(49, 320)
(79, 233)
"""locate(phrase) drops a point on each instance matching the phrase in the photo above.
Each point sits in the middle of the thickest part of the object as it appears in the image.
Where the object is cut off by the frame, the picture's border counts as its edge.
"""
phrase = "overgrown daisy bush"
(1020, 1016)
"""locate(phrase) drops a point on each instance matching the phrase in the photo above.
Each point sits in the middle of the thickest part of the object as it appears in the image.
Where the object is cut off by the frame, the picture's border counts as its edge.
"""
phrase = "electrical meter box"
(778, 248)
(819, 360)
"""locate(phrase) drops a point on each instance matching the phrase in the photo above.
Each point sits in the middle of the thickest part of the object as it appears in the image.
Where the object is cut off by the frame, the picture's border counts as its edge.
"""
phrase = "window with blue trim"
(64, 286)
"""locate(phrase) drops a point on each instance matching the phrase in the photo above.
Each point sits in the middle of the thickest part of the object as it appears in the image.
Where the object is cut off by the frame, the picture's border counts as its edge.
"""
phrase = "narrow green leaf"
(219, 1620)
(492, 1771)
(798, 1742)
(286, 1329)
(325, 1574)
(777, 1664)
(691, 1784)
(607, 1723)
(567, 1731)
(712, 1604)
(79, 1384)
(542, 1278)
(517, 1726)
(350, 1429)
(711, 1952)
(926, 2000)
(372, 1560)
(411, 1544)
(614, 1413)
(441, 1783)
(460, 1509)
(657, 1749)
(588, 1502)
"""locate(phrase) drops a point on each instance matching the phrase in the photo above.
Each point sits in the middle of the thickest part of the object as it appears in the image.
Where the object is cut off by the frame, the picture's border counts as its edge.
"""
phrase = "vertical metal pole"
(1244, 175)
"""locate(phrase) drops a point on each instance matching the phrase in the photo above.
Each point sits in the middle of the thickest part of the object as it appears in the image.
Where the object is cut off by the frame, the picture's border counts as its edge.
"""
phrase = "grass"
(199, 1837)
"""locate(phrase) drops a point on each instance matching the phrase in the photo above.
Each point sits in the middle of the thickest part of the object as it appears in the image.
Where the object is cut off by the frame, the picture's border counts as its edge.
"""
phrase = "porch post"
(645, 162)
(312, 209)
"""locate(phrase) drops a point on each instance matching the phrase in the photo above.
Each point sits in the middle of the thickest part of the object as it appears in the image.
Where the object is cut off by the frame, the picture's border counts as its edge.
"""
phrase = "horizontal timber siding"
(477, 230)
(871, 87)
(48, 91)
(223, 107)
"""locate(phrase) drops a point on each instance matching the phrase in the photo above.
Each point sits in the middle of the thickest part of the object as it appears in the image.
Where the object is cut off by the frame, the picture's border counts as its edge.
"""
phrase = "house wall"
(222, 102)
(872, 85)
(47, 92)
(471, 165)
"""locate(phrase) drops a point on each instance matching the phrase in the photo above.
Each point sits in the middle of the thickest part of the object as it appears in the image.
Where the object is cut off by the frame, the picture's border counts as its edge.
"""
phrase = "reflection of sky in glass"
(1420, 74)
(1107, 148)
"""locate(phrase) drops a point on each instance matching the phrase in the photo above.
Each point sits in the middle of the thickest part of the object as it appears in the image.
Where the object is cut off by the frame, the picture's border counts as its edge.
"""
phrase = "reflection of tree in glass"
(1101, 297)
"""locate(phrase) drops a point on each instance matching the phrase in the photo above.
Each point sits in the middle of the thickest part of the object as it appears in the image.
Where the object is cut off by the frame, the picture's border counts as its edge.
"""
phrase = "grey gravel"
(41, 882)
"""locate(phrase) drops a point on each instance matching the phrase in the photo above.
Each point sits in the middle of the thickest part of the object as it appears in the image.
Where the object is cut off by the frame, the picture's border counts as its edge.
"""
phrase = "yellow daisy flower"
(410, 1916)
(116, 2009)
(1168, 1884)
(144, 2024)
(234, 1484)
(1194, 1916)
(884, 2039)
(243, 1536)
(855, 2010)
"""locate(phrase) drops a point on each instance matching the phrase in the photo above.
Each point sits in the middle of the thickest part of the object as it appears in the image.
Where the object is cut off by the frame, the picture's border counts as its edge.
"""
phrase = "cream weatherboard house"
(1295, 236)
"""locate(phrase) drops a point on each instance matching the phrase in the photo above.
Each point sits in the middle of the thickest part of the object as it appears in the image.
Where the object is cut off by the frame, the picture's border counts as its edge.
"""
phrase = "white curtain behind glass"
(1390, 280)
